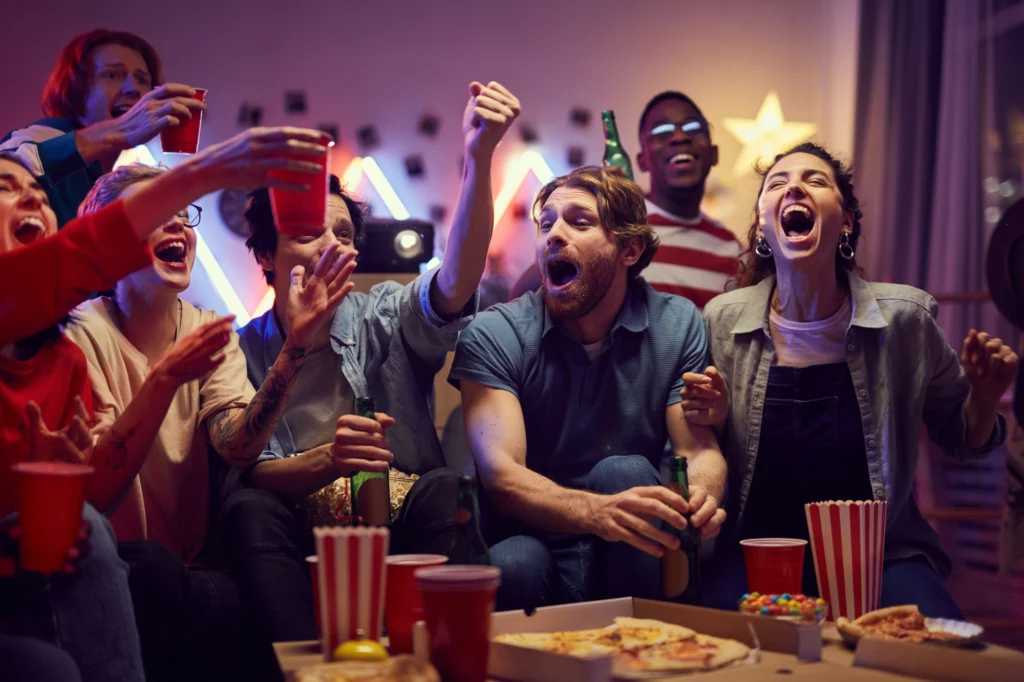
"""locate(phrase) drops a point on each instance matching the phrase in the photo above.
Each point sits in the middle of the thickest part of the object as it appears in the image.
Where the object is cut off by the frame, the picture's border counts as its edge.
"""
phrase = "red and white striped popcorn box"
(848, 543)
(352, 583)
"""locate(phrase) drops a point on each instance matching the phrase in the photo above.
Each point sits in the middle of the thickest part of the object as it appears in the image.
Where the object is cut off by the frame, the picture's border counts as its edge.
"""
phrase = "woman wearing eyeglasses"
(169, 383)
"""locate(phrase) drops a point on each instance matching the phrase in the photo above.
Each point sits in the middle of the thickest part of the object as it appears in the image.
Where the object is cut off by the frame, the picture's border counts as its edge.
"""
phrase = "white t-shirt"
(803, 344)
(594, 349)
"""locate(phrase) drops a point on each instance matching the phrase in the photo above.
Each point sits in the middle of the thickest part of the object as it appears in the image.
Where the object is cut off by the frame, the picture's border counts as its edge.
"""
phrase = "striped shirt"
(695, 258)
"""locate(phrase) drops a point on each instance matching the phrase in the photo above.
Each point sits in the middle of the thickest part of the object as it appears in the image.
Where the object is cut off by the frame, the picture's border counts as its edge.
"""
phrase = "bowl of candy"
(794, 607)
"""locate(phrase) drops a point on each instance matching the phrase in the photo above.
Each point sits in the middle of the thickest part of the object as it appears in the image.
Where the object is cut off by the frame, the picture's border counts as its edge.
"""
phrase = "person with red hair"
(106, 94)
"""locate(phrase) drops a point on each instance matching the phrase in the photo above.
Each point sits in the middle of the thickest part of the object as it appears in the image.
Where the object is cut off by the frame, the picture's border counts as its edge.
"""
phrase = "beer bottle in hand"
(371, 492)
(469, 547)
(680, 568)
(614, 154)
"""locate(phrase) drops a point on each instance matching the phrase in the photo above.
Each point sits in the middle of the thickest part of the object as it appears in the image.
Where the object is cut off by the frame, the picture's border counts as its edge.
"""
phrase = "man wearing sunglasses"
(697, 254)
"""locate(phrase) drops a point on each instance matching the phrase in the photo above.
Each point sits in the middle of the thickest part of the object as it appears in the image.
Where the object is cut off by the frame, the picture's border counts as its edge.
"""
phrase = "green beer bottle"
(680, 568)
(371, 492)
(469, 547)
(614, 154)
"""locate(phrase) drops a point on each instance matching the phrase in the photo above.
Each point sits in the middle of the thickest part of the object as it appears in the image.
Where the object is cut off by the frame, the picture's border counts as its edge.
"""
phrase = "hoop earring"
(845, 248)
(761, 248)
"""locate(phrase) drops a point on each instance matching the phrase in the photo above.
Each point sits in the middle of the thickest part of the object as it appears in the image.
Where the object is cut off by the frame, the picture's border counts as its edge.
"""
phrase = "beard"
(586, 291)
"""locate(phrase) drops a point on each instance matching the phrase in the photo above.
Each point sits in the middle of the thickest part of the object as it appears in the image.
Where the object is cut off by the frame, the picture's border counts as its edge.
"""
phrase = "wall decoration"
(438, 214)
(332, 130)
(231, 204)
(518, 170)
(580, 117)
(249, 115)
(368, 138)
(765, 136)
(575, 156)
(414, 167)
(527, 133)
(429, 125)
(295, 102)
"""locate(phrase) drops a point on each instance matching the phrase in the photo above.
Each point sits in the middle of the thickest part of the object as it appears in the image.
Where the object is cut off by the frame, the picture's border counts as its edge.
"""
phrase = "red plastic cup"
(299, 212)
(184, 137)
(402, 604)
(314, 574)
(774, 565)
(50, 496)
(457, 604)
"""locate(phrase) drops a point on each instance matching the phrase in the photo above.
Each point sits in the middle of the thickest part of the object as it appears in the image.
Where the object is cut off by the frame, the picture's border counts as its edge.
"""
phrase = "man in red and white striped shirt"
(697, 254)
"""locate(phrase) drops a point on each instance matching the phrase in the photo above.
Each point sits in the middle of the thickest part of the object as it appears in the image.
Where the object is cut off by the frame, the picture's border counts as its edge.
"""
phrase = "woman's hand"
(705, 398)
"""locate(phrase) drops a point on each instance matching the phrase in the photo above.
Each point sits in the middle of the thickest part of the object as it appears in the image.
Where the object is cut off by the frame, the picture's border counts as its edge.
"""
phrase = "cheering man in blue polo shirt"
(570, 394)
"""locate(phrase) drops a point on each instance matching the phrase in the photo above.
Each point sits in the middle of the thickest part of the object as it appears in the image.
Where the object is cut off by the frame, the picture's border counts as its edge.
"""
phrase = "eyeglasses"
(663, 132)
(191, 215)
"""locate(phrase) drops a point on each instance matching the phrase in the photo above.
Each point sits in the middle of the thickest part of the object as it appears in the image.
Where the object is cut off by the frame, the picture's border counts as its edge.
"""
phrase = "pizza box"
(508, 662)
(941, 663)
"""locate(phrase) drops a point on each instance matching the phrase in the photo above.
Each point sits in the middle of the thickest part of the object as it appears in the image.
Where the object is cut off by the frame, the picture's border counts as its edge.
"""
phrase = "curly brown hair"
(620, 205)
(64, 94)
(754, 269)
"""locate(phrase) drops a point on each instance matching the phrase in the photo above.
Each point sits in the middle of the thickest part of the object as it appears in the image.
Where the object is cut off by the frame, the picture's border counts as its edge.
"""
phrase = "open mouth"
(119, 110)
(797, 221)
(172, 252)
(682, 160)
(29, 230)
(561, 272)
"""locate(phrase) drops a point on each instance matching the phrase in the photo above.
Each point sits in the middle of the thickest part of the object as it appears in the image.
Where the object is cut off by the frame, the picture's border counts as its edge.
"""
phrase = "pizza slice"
(894, 623)
(637, 633)
(700, 652)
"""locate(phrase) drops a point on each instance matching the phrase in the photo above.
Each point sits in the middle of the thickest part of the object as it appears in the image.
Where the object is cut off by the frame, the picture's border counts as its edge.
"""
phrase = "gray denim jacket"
(390, 344)
(904, 373)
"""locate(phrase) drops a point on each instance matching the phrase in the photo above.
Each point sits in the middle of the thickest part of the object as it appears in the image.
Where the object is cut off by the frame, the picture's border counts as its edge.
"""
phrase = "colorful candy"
(789, 606)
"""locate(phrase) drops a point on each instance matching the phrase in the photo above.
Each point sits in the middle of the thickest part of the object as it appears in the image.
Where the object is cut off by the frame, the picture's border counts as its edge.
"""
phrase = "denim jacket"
(390, 344)
(904, 373)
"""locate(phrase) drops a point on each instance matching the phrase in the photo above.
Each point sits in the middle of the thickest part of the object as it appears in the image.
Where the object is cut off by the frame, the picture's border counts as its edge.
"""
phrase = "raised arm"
(93, 252)
(239, 434)
(489, 113)
(497, 439)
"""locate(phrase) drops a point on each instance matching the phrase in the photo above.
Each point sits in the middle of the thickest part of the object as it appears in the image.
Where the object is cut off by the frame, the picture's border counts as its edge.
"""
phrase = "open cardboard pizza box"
(507, 662)
(943, 663)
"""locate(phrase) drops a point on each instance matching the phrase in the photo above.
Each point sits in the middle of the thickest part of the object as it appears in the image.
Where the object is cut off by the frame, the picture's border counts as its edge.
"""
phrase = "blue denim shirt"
(577, 411)
(904, 372)
(390, 344)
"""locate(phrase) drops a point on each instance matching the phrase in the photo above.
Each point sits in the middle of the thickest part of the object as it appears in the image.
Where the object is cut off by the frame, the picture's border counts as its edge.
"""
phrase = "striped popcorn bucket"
(848, 543)
(352, 582)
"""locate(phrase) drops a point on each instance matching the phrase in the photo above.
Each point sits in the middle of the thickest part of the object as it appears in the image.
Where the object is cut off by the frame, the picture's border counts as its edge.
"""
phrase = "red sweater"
(41, 283)
(44, 280)
(52, 378)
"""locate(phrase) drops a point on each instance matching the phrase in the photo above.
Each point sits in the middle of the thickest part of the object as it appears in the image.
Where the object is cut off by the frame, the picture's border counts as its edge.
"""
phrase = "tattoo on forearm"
(239, 437)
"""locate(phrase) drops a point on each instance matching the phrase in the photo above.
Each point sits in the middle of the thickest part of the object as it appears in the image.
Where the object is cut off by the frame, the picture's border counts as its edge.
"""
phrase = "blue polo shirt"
(578, 411)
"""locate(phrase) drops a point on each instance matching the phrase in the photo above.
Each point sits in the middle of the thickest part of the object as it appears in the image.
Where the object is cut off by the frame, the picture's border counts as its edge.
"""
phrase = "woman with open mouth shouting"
(45, 390)
(831, 378)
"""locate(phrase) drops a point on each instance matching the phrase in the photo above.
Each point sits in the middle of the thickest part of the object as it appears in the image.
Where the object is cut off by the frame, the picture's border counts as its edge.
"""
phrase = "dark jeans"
(30, 660)
(904, 581)
(88, 614)
(540, 569)
(189, 619)
(265, 543)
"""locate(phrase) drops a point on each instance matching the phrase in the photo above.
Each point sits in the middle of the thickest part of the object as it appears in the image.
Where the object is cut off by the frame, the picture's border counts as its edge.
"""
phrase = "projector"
(397, 246)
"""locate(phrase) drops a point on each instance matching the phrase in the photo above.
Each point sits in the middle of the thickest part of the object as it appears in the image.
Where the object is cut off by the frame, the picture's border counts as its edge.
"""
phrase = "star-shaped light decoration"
(766, 135)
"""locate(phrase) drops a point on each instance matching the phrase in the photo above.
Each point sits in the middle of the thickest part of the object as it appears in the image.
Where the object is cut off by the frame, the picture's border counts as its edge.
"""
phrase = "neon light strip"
(384, 189)
(220, 282)
(517, 172)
